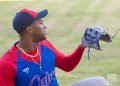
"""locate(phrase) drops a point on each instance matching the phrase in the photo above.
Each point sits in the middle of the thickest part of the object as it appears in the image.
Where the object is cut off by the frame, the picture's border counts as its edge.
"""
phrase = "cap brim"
(42, 14)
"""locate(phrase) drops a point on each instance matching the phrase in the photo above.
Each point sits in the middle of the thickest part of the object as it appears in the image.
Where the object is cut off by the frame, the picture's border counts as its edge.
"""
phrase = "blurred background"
(66, 23)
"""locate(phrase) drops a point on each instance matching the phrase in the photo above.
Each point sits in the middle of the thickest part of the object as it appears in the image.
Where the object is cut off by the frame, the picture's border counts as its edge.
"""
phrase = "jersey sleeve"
(67, 62)
(6, 78)
(7, 73)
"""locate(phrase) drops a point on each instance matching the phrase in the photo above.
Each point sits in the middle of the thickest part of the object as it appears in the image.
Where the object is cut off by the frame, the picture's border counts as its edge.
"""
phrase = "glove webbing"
(89, 52)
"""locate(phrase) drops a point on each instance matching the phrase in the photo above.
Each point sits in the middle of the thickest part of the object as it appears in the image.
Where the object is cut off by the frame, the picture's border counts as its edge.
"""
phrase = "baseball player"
(32, 60)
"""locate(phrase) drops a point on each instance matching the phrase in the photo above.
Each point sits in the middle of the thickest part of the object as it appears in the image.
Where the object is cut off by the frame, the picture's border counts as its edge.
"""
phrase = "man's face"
(38, 30)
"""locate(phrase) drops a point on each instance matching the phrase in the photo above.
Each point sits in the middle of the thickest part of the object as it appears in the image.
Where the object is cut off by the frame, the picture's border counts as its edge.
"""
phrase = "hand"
(82, 46)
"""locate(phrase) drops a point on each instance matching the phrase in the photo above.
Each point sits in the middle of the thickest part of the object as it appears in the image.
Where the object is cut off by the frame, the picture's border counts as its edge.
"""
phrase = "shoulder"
(47, 44)
(10, 55)
(9, 60)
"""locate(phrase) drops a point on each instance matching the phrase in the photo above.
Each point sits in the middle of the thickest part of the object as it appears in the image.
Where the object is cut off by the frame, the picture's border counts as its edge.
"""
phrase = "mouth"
(45, 33)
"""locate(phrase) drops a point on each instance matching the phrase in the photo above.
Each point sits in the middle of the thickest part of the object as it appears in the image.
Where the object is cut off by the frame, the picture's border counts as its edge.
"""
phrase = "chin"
(42, 39)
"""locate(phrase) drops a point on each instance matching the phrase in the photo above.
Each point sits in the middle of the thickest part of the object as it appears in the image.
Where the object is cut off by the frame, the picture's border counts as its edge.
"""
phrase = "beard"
(38, 38)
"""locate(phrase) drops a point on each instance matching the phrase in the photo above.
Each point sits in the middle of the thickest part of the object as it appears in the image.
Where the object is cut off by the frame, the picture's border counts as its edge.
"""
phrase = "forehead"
(37, 22)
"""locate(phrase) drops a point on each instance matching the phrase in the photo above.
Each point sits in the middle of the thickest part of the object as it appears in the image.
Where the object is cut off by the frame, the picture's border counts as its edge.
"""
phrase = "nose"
(44, 27)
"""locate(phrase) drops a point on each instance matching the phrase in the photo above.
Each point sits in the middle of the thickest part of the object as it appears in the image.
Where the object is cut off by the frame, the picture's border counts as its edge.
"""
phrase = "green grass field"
(66, 23)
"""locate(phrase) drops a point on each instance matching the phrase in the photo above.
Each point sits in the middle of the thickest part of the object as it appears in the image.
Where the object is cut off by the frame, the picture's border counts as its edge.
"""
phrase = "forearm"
(69, 62)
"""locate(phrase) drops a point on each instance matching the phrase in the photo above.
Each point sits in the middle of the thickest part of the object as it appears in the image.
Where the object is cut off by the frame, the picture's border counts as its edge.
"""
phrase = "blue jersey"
(30, 74)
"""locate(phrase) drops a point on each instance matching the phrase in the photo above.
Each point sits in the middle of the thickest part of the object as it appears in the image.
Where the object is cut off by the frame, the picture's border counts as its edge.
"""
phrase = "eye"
(40, 21)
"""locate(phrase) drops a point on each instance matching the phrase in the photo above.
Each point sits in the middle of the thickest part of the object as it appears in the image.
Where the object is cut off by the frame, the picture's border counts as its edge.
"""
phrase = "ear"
(30, 29)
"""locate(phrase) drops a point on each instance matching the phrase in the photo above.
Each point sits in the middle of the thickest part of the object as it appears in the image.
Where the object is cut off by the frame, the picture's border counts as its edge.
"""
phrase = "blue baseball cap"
(26, 17)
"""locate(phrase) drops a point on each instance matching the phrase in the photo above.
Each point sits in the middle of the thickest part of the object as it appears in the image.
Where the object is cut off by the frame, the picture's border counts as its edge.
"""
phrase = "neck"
(27, 45)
